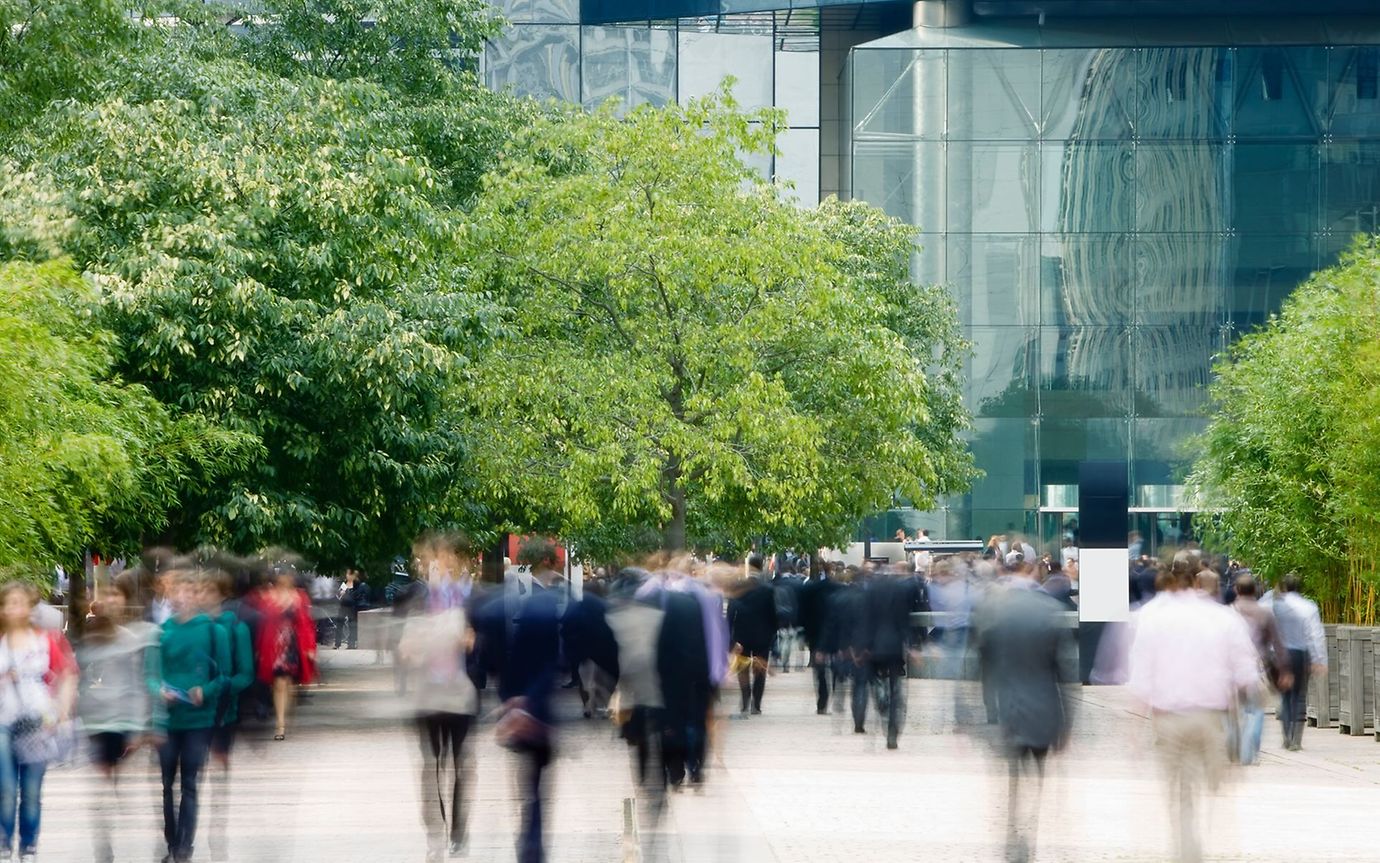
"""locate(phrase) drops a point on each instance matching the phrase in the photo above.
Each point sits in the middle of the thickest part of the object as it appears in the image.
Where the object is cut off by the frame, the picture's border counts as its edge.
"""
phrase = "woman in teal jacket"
(193, 663)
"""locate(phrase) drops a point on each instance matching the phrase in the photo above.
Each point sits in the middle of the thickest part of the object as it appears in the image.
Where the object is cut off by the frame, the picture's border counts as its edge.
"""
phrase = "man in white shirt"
(1190, 658)
(1301, 630)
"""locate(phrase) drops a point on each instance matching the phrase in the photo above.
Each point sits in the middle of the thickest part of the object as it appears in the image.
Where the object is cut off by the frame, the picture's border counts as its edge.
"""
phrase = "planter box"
(1325, 692)
(1356, 677)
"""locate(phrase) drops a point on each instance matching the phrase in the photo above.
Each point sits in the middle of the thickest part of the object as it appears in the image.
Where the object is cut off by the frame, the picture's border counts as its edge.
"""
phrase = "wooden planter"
(1325, 692)
(1356, 678)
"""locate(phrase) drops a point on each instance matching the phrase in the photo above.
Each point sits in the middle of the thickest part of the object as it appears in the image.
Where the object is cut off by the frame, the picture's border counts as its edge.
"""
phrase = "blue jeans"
(21, 788)
(1250, 722)
(181, 756)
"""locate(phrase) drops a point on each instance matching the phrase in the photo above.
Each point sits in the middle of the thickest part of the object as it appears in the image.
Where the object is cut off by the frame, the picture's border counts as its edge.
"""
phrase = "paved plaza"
(786, 786)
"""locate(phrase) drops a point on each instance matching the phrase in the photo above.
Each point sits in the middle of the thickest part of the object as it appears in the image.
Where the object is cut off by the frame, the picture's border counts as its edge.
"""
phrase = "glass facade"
(1109, 219)
(774, 56)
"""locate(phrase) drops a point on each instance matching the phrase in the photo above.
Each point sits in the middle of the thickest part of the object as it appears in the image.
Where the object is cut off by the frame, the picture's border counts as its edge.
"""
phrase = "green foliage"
(1291, 458)
(271, 221)
(83, 455)
(690, 352)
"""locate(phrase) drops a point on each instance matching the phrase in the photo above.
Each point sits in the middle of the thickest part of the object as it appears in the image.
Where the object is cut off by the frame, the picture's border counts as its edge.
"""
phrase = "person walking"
(752, 626)
(193, 658)
(354, 598)
(286, 641)
(1301, 630)
(1274, 659)
(1190, 659)
(113, 700)
(1025, 652)
(39, 674)
(888, 599)
(815, 596)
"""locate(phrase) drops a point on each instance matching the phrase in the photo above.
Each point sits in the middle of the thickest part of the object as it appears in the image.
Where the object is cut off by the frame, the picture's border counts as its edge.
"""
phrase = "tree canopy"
(686, 350)
(1291, 459)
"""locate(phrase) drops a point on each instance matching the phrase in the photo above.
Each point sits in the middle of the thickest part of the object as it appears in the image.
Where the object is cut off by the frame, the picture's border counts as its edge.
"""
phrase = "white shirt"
(432, 648)
(1190, 653)
(23, 691)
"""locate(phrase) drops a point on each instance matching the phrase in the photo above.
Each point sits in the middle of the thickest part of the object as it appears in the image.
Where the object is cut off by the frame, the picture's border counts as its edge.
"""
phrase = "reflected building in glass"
(1113, 189)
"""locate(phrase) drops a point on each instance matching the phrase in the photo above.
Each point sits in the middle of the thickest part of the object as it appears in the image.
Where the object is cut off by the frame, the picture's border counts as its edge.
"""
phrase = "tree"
(689, 351)
(1290, 463)
(83, 457)
(273, 231)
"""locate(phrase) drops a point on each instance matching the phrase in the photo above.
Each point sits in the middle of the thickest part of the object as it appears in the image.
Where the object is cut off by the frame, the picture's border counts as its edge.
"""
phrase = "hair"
(1208, 582)
(536, 551)
(30, 592)
(755, 561)
(1245, 585)
(1290, 583)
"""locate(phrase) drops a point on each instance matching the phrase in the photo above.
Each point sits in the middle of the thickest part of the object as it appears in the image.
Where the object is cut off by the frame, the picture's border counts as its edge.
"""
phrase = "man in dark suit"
(752, 631)
(814, 606)
(528, 676)
(888, 599)
(1026, 651)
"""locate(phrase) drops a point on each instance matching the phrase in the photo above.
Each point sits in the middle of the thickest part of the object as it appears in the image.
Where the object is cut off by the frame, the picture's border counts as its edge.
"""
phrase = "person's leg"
(821, 671)
(280, 703)
(745, 685)
(896, 705)
(9, 790)
(429, 745)
(531, 848)
(352, 622)
(697, 735)
(759, 682)
(30, 805)
(196, 745)
(169, 752)
(1252, 719)
(860, 673)
(459, 808)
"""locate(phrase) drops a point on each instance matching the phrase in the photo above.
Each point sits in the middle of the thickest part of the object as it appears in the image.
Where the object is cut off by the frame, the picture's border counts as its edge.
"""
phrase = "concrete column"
(943, 13)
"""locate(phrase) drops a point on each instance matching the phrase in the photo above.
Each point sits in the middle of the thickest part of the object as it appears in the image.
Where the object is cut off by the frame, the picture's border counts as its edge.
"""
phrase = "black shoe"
(822, 711)
(858, 729)
(457, 849)
(756, 711)
(891, 743)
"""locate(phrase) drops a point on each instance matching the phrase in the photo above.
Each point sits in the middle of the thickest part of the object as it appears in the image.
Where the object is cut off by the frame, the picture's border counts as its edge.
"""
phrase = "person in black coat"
(815, 596)
(683, 666)
(752, 630)
(888, 599)
(1027, 652)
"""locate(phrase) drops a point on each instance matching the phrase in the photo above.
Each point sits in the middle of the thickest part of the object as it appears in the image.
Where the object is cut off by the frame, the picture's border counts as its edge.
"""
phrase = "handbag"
(38, 742)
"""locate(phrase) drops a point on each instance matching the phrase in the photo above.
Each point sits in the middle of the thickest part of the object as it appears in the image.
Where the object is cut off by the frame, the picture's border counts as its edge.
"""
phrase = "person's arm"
(220, 652)
(62, 665)
(243, 657)
(1317, 640)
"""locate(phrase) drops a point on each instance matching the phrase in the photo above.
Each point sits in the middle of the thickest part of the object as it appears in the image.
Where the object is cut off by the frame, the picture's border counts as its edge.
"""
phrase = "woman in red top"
(286, 642)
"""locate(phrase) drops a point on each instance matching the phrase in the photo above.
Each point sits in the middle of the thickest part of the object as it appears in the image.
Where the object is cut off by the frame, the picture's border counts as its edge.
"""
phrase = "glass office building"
(1113, 194)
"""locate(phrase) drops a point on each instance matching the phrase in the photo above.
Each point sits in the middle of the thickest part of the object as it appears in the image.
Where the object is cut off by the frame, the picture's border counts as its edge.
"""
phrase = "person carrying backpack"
(190, 675)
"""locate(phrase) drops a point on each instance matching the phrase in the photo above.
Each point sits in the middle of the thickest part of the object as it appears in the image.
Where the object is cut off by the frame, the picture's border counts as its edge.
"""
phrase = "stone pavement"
(786, 786)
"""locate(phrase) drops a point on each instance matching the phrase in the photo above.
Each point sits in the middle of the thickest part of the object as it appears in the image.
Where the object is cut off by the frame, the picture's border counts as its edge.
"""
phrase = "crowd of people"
(177, 652)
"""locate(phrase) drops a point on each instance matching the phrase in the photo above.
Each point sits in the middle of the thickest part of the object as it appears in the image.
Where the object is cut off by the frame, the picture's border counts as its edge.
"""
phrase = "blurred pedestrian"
(354, 598)
(193, 657)
(752, 626)
(114, 701)
(286, 642)
(1301, 630)
(815, 597)
(1274, 660)
(1025, 650)
(1190, 659)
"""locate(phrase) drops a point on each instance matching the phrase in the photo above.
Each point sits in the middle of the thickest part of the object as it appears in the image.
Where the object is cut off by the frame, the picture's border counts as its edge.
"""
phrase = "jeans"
(183, 751)
(1293, 708)
(1250, 721)
(21, 788)
(347, 627)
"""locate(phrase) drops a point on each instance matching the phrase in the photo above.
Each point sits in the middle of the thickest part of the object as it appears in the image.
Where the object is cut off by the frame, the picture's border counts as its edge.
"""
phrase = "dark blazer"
(752, 618)
(1021, 640)
(888, 603)
(682, 658)
(845, 621)
(534, 653)
(814, 607)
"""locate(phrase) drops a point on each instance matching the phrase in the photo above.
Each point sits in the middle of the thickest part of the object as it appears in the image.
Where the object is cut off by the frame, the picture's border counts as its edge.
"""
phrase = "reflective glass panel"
(1007, 447)
(635, 64)
(996, 278)
(1088, 94)
(1280, 92)
(707, 58)
(904, 178)
(1172, 368)
(1267, 269)
(538, 60)
(1351, 188)
(994, 95)
(1352, 103)
(993, 188)
(1277, 188)
(898, 93)
(1085, 371)
(1185, 93)
(1000, 374)
(1087, 187)
(1086, 279)
(1182, 187)
(1180, 278)
(1066, 443)
(1162, 451)
(540, 11)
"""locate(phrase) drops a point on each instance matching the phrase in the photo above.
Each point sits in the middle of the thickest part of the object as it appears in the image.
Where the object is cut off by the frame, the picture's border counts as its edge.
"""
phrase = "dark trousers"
(823, 672)
(443, 777)
(348, 622)
(535, 760)
(752, 680)
(1293, 709)
(182, 752)
(885, 677)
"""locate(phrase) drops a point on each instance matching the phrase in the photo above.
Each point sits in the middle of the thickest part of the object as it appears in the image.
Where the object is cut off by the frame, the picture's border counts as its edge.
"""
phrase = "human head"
(1290, 583)
(755, 562)
(1208, 583)
(17, 601)
(1245, 585)
(538, 553)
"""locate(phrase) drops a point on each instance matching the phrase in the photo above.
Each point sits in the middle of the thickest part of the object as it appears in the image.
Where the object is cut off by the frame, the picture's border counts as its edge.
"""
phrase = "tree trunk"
(673, 534)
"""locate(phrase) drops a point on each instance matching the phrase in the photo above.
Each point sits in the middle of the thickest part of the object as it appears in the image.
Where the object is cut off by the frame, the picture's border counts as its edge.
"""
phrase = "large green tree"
(1290, 466)
(689, 351)
(270, 212)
